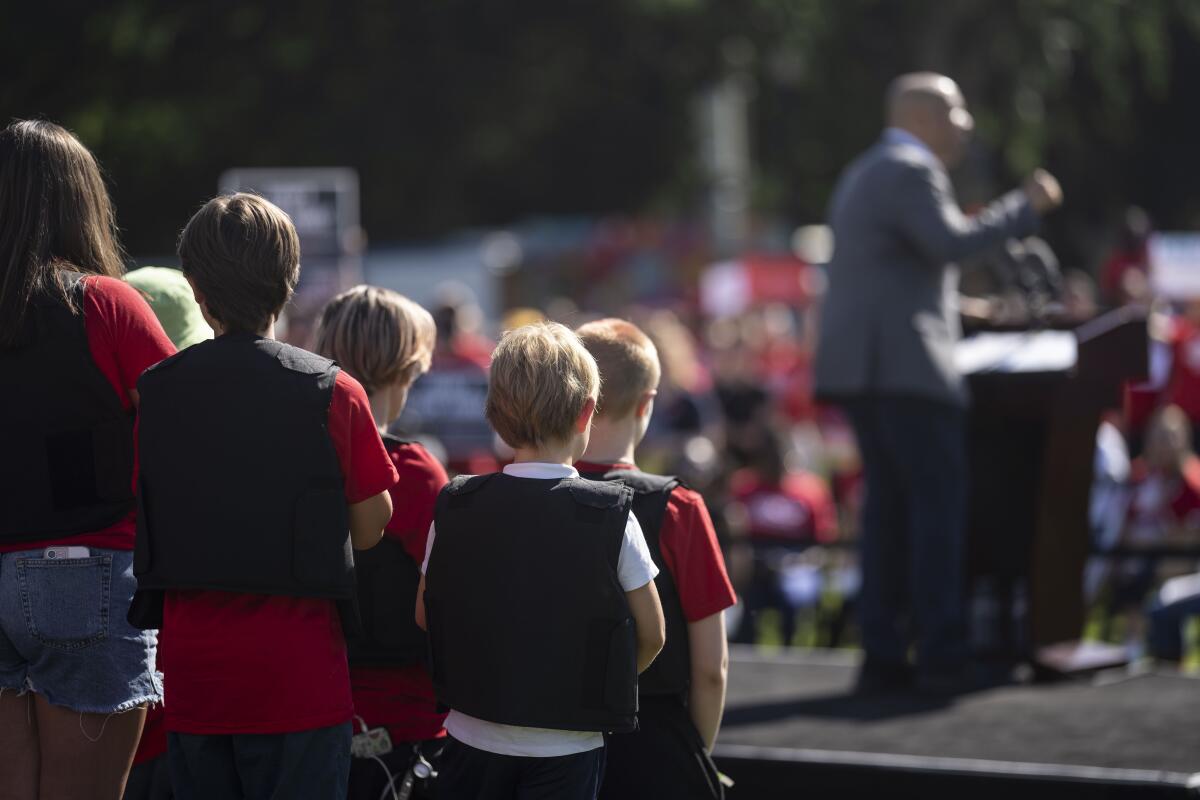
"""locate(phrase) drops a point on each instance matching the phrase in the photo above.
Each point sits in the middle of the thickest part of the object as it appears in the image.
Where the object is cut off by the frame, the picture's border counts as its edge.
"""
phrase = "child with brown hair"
(261, 467)
(538, 590)
(385, 341)
(682, 695)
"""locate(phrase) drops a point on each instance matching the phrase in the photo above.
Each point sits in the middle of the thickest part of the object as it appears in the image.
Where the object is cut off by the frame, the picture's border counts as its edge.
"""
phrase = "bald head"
(930, 107)
(920, 93)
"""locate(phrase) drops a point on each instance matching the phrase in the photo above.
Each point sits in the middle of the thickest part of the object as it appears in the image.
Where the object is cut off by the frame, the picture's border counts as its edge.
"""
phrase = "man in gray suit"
(889, 327)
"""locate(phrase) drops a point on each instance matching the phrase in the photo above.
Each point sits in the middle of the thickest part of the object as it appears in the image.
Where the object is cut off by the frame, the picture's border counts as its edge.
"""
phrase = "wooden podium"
(1037, 398)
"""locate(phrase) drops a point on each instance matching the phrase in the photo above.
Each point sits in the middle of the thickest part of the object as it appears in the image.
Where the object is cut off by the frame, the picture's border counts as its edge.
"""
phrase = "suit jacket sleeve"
(930, 218)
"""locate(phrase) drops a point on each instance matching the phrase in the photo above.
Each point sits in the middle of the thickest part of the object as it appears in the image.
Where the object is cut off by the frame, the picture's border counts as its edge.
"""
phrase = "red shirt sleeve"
(123, 334)
(365, 462)
(1113, 271)
(690, 550)
(413, 497)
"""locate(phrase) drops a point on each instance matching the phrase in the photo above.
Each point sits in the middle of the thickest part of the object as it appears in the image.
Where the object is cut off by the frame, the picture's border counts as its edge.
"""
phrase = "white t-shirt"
(635, 568)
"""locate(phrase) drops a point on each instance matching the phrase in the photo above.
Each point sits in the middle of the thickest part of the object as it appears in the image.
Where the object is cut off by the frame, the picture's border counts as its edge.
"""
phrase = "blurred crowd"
(737, 420)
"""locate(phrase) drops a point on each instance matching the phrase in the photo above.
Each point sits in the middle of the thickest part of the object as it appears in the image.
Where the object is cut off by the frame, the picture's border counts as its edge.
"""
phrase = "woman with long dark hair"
(75, 677)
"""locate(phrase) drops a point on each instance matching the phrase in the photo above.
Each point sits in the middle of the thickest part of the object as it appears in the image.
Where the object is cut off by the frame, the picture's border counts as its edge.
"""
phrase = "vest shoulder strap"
(296, 359)
(73, 291)
(599, 494)
(465, 484)
(154, 370)
(291, 358)
(645, 483)
(72, 281)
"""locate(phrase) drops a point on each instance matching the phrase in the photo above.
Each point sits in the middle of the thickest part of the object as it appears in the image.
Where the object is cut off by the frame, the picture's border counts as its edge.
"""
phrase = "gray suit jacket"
(889, 322)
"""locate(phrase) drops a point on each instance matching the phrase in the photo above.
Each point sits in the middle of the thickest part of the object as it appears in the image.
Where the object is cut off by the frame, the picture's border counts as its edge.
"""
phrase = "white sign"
(322, 202)
(1175, 265)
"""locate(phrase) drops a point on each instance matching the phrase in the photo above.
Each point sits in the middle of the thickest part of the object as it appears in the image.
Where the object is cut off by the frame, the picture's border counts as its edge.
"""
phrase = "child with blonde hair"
(682, 696)
(386, 340)
(538, 590)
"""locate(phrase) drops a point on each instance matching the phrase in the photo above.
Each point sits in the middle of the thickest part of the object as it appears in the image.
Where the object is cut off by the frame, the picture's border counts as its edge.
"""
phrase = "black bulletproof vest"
(671, 672)
(528, 622)
(67, 455)
(387, 580)
(240, 486)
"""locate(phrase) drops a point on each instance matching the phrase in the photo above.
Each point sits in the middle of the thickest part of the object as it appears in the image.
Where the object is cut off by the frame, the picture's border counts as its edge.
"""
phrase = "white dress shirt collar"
(538, 469)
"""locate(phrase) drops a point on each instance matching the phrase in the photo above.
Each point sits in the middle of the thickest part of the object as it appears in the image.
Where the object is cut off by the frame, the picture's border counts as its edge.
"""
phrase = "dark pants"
(150, 780)
(664, 759)
(1165, 639)
(284, 766)
(766, 591)
(471, 774)
(913, 531)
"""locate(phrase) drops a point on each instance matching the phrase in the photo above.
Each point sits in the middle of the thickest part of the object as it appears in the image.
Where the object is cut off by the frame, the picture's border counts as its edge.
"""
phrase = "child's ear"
(643, 406)
(585, 416)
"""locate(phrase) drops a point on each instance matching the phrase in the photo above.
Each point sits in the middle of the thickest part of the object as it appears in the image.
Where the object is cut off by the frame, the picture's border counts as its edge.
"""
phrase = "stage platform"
(793, 729)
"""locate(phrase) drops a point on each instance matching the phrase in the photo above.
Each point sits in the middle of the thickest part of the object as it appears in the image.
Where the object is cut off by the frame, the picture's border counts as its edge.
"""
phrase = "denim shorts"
(63, 632)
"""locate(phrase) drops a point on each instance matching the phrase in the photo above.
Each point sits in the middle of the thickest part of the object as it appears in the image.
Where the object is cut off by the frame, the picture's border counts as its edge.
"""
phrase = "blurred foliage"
(469, 113)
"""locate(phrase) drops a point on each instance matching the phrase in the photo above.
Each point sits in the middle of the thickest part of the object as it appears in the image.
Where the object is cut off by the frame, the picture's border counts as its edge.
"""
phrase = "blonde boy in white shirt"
(541, 398)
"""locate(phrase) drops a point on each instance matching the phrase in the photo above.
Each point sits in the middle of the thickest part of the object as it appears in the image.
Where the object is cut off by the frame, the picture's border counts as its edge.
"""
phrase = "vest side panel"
(671, 672)
(387, 579)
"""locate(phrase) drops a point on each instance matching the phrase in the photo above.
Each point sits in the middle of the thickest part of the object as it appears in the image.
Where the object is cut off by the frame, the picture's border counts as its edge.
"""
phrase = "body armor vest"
(527, 619)
(67, 467)
(241, 488)
(671, 672)
(387, 579)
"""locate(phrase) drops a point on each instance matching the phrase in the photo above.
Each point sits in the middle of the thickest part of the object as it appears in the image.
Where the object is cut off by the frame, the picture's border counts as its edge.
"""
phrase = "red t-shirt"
(1112, 273)
(689, 550)
(1183, 388)
(798, 509)
(1187, 502)
(124, 338)
(401, 699)
(1139, 402)
(251, 663)
(467, 348)
(1164, 500)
